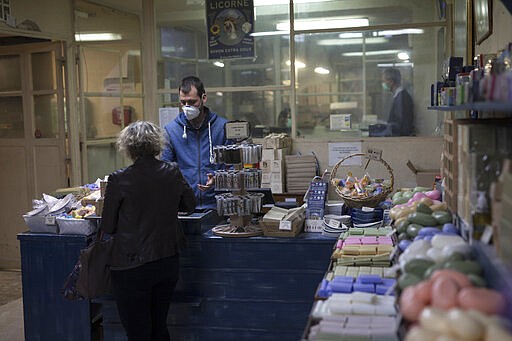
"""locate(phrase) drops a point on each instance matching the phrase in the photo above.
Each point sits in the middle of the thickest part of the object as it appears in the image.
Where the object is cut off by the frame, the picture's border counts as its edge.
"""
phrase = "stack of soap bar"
(356, 303)
(367, 231)
(343, 270)
(382, 328)
(363, 246)
(369, 283)
(365, 260)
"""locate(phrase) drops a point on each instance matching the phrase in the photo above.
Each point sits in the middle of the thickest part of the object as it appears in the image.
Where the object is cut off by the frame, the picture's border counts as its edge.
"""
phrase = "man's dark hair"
(393, 75)
(188, 82)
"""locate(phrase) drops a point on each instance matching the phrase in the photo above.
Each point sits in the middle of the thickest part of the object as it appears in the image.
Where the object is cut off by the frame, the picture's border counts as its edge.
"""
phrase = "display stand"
(239, 225)
(238, 204)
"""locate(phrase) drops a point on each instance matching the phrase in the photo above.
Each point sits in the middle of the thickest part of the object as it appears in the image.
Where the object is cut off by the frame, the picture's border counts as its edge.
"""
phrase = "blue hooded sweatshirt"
(192, 149)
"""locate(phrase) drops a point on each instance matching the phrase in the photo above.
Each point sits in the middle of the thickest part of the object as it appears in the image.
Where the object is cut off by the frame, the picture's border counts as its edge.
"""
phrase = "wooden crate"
(449, 165)
(271, 229)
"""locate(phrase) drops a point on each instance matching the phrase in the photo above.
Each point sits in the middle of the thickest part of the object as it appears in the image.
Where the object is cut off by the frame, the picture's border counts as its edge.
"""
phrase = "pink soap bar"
(370, 240)
(352, 242)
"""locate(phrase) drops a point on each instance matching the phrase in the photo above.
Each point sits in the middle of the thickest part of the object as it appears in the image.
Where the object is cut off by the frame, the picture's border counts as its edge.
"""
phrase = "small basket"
(76, 226)
(38, 224)
(372, 201)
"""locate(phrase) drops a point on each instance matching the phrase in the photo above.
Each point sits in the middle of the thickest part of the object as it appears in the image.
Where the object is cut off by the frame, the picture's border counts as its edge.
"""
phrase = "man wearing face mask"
(401, 115)
(191, 138)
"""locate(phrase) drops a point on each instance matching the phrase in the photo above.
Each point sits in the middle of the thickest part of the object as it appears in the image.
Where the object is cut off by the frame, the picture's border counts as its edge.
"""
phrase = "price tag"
(285, 225)
(374, 154)
(333, 222)
(49, 220)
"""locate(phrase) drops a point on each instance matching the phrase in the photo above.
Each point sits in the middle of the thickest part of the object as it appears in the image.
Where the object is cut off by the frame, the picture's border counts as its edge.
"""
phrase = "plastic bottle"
(481, 216)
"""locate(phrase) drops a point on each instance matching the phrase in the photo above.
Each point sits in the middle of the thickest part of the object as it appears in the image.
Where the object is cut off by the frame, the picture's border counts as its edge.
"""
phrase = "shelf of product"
(64, 213)
(431, 283)
(476, 106)
(236, 203)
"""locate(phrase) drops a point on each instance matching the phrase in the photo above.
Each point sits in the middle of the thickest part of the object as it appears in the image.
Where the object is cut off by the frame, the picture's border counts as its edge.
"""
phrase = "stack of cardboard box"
(275, 147)
(300, 171)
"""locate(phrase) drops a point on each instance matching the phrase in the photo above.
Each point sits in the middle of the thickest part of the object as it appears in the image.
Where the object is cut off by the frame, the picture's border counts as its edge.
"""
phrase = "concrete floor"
(11, 306)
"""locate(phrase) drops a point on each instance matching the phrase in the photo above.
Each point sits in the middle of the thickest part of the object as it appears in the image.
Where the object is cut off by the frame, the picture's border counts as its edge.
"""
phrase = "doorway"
(32, 134)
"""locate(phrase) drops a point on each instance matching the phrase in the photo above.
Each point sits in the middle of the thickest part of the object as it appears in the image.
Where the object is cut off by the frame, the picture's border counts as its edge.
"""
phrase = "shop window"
(338, 65)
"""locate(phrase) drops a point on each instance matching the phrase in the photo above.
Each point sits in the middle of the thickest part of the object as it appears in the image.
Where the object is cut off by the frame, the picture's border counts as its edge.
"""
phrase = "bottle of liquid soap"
(481, 216)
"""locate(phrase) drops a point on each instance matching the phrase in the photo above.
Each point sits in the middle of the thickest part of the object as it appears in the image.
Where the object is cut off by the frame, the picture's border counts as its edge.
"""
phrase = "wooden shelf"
(478, 106)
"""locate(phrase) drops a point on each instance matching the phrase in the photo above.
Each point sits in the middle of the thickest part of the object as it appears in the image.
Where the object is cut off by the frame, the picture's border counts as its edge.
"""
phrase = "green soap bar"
(355, 231)
(376, 271)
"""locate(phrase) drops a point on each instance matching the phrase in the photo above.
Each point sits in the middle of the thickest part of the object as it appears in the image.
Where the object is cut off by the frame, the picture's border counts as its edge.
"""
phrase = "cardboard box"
(424, 177)
(277, 141)
(277, 177)
(275, 154)
(277, 188)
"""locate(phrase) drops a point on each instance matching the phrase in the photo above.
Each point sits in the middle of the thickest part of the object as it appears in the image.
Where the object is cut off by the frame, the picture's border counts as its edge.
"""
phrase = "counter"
(46, 261)
(257, 288)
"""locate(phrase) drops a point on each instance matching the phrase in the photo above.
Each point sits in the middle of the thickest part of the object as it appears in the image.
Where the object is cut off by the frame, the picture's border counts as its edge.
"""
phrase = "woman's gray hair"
(141, 138)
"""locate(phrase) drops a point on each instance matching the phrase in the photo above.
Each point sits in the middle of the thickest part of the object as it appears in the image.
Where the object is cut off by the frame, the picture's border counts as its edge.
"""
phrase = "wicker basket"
(372, 201)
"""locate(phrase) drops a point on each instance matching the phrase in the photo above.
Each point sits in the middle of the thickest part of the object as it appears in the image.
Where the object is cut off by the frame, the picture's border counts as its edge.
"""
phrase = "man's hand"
(208, 185)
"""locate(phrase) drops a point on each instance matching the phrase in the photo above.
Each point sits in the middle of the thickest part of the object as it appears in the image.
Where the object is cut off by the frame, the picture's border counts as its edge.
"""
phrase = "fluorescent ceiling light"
(408, 64)
(298, 64)
(399, 32)
(322, 71)
(283, 2)
(370, 53)
(219, 64)
(346, 35)
(352, 41)
(403, 55)
(318, 24)
(97, 36)
(269, 33)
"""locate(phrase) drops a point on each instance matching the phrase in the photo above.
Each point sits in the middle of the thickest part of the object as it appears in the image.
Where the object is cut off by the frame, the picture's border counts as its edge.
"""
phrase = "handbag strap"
(99, 235)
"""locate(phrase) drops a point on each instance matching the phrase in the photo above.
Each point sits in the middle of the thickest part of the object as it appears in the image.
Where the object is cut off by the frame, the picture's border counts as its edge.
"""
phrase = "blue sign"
(229, 25)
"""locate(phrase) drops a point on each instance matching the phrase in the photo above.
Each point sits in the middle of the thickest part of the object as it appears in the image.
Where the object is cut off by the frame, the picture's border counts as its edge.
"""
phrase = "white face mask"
(191, 112)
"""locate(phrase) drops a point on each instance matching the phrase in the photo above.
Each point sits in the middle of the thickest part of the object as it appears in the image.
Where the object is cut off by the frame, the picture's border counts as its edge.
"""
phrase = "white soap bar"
(363, 309)
(363, 297)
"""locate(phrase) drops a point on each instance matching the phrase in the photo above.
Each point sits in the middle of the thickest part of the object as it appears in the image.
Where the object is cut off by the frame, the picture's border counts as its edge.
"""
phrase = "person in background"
(191, 138)
(140, 211)
(401, 115)
(284, 119)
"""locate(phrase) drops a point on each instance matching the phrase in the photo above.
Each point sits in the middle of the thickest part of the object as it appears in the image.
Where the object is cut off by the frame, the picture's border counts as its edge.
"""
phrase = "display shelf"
(238, 204)
(478, 106)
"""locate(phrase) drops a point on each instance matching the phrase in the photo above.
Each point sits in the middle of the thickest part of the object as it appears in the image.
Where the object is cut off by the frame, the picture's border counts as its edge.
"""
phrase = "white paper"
(168, 114)
(338, 151)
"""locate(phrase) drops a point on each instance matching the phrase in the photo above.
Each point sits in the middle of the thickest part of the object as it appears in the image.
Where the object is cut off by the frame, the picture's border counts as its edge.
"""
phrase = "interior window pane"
(11, 117)
(11, 77)
(183, 40)
(341, 74)
(46, 123)
(104, 117)
(43, 64)
(266, 111)
(103, 159)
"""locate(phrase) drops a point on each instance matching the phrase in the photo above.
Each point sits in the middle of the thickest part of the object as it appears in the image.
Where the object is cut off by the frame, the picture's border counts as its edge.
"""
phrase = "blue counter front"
(257, 288)
(46, 260)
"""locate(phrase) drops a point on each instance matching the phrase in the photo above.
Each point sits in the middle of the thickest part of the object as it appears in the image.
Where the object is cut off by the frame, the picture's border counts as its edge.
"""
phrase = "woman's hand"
(208, 185)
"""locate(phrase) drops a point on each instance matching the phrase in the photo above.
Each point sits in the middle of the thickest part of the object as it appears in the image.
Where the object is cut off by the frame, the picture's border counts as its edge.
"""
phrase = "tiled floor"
(11, 306)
